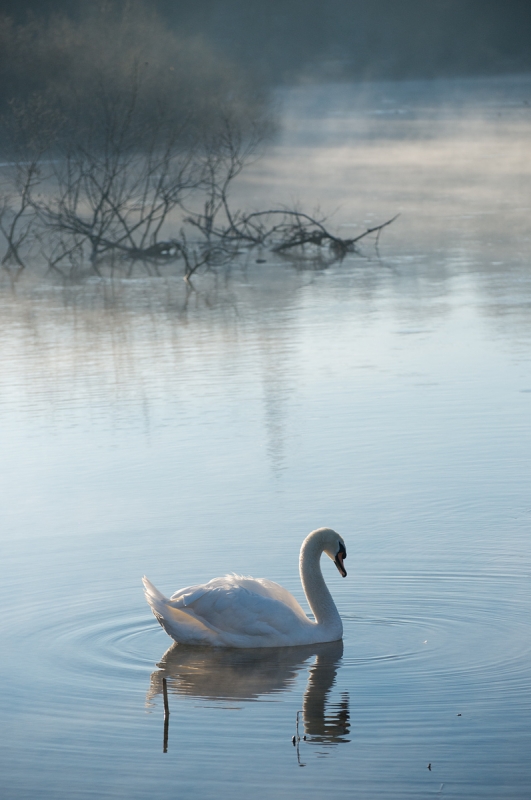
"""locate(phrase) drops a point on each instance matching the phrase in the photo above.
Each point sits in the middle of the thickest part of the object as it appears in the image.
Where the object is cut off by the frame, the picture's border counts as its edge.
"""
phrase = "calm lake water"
(147, 429)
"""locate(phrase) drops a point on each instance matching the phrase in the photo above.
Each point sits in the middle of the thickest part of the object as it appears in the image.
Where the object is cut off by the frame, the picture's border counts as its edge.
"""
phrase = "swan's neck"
(319, 598)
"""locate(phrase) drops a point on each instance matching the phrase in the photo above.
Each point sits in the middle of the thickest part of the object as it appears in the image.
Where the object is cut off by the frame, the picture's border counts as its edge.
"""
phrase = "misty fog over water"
(189, 429)
(289, 40)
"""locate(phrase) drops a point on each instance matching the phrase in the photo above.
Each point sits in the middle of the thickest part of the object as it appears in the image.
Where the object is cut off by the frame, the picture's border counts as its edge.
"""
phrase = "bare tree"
(31, 127)
(282, 229)
(225, 152)
(114, 189)
(137, 105)
(17, 218)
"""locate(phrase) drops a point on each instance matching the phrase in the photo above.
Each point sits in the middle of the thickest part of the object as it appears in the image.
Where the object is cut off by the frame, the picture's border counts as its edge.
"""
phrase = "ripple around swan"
(445, 637)
(108, 644)
(89, 652)
(481, 641)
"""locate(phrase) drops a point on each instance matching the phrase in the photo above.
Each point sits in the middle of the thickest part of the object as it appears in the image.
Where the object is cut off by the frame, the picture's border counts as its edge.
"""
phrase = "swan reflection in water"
(230, 674)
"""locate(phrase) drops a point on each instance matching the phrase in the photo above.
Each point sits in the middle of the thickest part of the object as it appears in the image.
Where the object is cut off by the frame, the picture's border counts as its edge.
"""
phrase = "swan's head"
(334, 547)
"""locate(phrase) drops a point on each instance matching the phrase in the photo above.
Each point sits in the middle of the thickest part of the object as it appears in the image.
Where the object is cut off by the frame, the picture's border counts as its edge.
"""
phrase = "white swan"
(246, 612)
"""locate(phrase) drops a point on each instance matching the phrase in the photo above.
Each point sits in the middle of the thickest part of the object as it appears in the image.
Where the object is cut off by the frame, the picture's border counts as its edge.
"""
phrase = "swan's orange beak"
(338, 561)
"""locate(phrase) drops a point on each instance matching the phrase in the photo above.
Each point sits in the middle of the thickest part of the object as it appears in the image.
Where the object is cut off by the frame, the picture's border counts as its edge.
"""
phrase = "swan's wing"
(242, 606)
(241, 612)
(278, 592)
(185, 598)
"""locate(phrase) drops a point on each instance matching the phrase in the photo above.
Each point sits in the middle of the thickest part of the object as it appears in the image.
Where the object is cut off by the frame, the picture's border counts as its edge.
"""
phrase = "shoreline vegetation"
(120, 142)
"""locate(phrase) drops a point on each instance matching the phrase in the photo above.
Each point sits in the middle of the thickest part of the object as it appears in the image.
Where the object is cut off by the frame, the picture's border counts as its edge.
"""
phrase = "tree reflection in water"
(229, 674)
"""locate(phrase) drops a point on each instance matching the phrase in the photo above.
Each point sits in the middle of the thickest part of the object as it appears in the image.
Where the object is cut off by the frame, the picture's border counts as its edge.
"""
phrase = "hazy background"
(285, 40)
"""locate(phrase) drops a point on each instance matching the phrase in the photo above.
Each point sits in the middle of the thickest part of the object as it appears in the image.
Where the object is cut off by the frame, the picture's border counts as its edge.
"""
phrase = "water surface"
(147, 428)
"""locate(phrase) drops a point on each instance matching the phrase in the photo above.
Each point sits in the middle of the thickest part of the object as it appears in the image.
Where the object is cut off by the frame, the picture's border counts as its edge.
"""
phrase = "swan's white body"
(246, 612)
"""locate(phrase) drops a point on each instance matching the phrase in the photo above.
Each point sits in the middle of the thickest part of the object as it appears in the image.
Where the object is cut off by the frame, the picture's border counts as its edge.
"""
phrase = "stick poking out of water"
(166, 714)
(165, 694)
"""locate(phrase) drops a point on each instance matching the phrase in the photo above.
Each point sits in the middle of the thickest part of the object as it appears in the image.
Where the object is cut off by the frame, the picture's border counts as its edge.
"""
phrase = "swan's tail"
(179, 624)
(153, 596)
(158, 602)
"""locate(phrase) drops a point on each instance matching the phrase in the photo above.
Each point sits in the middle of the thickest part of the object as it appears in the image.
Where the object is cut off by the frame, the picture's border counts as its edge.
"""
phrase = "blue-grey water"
(150, 429)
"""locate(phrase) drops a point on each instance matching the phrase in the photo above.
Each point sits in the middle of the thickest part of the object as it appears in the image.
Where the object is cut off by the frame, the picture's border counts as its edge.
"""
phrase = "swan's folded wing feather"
(278, 592)
(185, 597)
(236, 609)
(185, 627)
(266, 588)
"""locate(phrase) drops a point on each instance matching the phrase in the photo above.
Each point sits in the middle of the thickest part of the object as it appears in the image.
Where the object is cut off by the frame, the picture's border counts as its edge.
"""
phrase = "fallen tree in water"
(284, 229)
(88, 210)
(108, 162)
